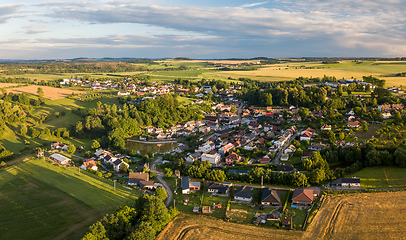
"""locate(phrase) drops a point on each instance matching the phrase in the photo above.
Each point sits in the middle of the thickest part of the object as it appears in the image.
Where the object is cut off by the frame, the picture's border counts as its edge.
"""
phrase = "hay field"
(49, 92)
(354, 216)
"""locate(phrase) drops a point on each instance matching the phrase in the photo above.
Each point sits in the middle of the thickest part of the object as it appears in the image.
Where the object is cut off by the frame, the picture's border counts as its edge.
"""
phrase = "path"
(159, 176)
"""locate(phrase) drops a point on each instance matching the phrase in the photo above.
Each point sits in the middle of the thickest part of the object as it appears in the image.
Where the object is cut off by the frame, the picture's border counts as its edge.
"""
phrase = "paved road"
(278, 157)
(159, 176)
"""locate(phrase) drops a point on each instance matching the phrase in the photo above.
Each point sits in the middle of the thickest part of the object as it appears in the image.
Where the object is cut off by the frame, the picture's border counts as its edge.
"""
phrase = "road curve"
(159, 176)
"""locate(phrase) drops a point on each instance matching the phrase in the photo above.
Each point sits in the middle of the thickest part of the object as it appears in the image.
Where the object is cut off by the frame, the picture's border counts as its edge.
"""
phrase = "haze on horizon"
(41, 29)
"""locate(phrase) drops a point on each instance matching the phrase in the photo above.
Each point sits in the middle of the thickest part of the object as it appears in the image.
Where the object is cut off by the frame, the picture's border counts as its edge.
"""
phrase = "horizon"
(39, 29)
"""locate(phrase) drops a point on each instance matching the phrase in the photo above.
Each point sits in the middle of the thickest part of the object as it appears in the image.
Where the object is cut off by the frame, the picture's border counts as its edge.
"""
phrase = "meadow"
(382, 177)
(41, 200)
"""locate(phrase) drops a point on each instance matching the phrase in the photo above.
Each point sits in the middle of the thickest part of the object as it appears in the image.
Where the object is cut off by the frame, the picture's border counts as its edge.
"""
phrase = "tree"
(71, 149)
(95, 144)
(124, 168)
(2, 164)
(303, 112)
(400, 157)
(23, 130)
(152, 174)
(96, 232)
(168, 172)
(40, 93)
(268, 99)
(233, 108)
(161, 194)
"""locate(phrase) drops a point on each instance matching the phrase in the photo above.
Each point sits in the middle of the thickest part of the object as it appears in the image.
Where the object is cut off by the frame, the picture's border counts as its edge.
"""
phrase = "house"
(188, 186)
(289, 150)
(181, 147)
(58, 145)
(350, 112)
(317, 146)
(326, 127)
(134, 178)
(304, 197)
(244, 194)
(253, 125)
(233, 157)
(286, 223)
(347, 182)
(250, 146)
(207, 147)
(280, 142)
(89, 164)
(123, 93)
(306, 155)
(193, 157)
(225, 149)
(286, 168)
(146, 184)
(218, 188)
(60, 159)
(284, 157)
(353, 124)
(307, 136)
(271, 197)
(386, 115)
(265, 159)
(214, 159)
(117, 165)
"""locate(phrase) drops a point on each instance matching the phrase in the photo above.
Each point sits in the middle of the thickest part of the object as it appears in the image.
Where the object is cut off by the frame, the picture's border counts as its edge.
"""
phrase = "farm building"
(60, 159)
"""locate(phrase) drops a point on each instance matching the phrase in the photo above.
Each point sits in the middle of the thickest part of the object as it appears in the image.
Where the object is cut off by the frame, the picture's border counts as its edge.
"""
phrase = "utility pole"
(262, 180)
(114, 185)
(173, 203)
(176, 184)
(79, 171)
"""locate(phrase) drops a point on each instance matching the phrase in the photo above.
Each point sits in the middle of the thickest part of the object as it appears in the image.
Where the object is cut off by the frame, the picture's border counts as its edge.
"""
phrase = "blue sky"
(45, 29)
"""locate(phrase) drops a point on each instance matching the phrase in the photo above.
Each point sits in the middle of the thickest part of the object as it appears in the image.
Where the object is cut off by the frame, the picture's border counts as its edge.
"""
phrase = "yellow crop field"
(353, 216)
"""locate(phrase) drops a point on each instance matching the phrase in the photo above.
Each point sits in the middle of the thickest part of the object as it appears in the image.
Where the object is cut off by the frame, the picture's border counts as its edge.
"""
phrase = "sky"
(46, 29)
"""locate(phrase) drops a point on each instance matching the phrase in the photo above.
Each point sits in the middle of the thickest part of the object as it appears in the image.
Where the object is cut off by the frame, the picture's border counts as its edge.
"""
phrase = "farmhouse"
(244, 194)
(60, 159)
(270, 197)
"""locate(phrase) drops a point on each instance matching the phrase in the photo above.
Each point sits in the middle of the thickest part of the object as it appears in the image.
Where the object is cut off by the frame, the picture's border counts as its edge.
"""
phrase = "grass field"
(382, 177)
(352, 216)
(42, 201)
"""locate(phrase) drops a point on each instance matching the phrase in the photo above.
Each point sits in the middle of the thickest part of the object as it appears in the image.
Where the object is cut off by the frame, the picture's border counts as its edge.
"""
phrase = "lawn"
(185, 100)
(209, 199)
(361, 135)
(382, 177)
(42, 201)
(194, 200)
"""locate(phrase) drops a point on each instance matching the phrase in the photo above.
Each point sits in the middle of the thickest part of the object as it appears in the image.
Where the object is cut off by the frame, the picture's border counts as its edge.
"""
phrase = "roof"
(219, 186)
(118, 162)
(139, 175)
(89, 163)
(143, 183)
(59, 157)
(270, 195)
(303, 195)
(244, 192)
(285, 168)
(185, 183)
(234, 157)
(346, 180)
(194, 184)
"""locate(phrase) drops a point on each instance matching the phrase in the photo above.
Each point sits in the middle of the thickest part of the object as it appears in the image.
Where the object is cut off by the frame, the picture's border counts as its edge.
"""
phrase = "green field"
(382, 177)
(42, 201)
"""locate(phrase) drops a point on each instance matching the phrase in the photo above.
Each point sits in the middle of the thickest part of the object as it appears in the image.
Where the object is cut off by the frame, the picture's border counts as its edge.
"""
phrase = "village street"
(159, 177)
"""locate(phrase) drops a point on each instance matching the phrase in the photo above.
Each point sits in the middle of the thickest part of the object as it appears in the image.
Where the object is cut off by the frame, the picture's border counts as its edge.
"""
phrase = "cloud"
(254, 4)
(7, 10)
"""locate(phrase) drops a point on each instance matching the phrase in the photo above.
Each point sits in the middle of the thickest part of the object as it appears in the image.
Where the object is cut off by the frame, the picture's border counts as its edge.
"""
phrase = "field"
(352, 216)
(382, 177)
(4, 85)
(42, 201)
(49, 92)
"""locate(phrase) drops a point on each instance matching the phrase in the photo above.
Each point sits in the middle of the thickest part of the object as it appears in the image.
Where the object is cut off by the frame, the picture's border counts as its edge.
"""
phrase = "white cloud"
(254, 4)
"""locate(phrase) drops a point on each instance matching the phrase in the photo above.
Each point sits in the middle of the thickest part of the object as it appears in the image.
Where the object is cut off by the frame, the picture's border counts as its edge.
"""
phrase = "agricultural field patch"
(4, 85)
(49, 92)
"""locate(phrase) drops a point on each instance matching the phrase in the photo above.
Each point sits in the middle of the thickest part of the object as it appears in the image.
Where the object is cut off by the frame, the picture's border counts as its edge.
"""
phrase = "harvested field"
(2, 85)
(49, 92)
(201, 227)
(352, 216)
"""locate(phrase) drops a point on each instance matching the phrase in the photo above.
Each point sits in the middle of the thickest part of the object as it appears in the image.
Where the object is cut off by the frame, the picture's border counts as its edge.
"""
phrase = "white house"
(307, 136)
(118, 163)
(207, 147)
(89, 164)
(214, 159)
(244, 194)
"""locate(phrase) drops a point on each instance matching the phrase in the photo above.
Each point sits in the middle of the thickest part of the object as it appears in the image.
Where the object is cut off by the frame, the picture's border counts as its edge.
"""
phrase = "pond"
(152, 148)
